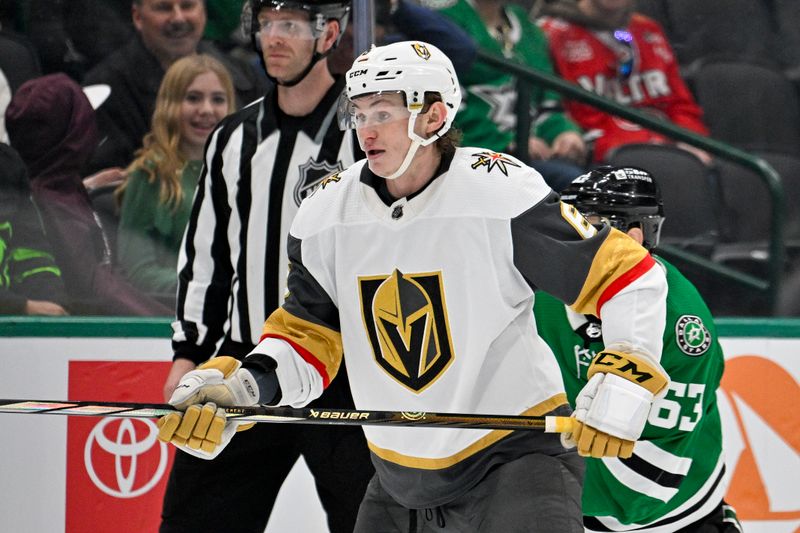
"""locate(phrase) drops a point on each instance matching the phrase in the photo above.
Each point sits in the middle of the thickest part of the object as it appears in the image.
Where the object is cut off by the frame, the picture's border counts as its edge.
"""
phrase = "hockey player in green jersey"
(675, 480)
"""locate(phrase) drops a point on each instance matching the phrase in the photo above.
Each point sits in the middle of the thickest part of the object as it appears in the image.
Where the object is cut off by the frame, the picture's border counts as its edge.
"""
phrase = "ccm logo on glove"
(635, 369)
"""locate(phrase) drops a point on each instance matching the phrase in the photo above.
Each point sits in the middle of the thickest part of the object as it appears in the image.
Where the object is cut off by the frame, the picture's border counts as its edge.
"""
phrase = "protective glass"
(374, 109)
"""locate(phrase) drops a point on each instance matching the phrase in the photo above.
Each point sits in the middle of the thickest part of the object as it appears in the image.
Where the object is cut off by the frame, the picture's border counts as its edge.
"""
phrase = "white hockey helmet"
(412, 68)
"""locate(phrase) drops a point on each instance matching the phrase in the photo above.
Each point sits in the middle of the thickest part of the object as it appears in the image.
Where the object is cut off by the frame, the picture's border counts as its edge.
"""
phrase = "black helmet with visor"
(625, 197)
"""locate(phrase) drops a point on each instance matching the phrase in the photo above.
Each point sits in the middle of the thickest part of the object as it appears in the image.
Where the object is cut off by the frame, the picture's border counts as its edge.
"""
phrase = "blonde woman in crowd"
(156, 199)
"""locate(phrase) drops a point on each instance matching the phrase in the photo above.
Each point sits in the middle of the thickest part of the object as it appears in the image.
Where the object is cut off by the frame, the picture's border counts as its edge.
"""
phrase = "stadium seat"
(749, 105)
(697, 28)
(749, 218)
(690, 192)
(789, 298)
(787, 15)
(723, 213)
(748, 201)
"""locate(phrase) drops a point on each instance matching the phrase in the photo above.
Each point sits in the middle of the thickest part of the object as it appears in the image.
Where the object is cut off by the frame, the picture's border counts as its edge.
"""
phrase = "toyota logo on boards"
(115, 452)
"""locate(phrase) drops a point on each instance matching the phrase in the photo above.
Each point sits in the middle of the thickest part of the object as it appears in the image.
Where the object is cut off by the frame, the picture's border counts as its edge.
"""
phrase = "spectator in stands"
(166, 31)
(487, 117)
(196, 93)
(51, 123)
(30, 280)
(400, 20)
(72, 36)
(224, 22)
(605, 47)
(18, 63)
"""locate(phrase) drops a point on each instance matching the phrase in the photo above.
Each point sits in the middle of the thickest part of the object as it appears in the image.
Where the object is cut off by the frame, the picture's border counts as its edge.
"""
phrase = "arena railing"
(768, 285)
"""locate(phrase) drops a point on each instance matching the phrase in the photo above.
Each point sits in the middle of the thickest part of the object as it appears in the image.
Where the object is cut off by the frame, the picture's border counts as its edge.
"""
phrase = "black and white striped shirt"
(259, 165)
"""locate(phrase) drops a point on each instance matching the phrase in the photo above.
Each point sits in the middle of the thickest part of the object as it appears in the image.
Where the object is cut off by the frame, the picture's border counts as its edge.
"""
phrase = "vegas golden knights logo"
(312, 173)
(422, 51)
(406, 320)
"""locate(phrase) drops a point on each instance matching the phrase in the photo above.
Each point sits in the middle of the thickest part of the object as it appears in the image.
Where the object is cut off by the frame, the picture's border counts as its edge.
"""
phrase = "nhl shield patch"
(692, 336)
(311, 173)
(405, 316)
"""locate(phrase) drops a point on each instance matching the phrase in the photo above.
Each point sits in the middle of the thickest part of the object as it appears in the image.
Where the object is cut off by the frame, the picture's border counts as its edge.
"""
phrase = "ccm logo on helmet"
(357, 73)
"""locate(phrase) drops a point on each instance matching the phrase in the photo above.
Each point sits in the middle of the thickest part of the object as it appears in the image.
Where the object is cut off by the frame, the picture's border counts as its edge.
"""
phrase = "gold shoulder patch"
(492, 160)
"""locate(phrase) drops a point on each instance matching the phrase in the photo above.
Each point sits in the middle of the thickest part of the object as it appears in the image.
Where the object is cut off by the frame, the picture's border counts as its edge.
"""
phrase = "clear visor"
(298, 28)
(373, 109)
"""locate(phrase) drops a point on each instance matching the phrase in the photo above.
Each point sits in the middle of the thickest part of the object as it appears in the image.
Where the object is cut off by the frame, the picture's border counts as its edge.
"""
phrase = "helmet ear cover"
(625, 197)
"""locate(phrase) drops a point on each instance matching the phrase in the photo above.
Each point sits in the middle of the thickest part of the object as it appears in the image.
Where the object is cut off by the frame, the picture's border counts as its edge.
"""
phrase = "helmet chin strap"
(416, 142)
(315, 57)
(412, 150)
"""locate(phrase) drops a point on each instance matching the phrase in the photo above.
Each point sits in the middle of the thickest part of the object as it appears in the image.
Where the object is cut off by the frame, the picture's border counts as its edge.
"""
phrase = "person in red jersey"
(606, 48)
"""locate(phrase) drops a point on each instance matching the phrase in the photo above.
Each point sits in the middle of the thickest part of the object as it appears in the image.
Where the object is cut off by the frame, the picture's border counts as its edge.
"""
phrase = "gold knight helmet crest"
(422, 51)
(406, 320)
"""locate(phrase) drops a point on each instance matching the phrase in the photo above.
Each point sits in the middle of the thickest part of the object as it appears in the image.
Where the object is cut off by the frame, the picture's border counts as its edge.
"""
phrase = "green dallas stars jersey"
(675, 476)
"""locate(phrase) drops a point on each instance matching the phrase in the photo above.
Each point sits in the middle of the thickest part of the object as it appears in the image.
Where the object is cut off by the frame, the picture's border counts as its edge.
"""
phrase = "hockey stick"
(291, 415)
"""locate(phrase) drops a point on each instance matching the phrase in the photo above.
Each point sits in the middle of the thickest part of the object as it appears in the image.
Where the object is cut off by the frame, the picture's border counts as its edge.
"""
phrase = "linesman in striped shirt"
(260, 163)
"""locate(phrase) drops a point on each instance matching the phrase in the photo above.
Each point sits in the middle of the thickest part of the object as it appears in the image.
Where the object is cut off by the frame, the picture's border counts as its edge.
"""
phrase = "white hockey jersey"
(431, 300)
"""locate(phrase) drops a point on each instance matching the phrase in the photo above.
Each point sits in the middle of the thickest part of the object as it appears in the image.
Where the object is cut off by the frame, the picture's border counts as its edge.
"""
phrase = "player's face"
(204, 105)
(170, 29)
(381, 122)
(287, 42)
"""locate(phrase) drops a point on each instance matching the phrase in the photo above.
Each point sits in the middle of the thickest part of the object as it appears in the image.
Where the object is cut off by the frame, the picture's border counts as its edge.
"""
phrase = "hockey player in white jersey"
(420, 264)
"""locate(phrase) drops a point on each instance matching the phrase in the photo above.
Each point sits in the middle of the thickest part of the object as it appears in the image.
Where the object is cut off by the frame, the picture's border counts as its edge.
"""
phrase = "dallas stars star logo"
(693, 337)
(491, 160)
(501, 100)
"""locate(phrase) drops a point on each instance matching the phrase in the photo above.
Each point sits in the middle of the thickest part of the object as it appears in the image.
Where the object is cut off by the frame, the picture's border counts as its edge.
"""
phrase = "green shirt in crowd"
(150, 232)
(487, 117)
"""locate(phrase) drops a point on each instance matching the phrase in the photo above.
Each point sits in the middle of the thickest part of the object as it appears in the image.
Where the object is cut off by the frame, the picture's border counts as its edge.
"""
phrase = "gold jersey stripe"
(319, 346)
(481, 444)
(618, 255)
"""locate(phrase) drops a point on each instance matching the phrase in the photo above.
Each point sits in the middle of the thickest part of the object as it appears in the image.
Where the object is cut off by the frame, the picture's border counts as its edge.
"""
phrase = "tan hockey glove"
(612, 408)
(202, 430)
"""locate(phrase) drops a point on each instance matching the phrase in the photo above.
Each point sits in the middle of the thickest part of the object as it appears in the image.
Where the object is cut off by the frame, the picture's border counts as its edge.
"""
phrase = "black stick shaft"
(261, 413)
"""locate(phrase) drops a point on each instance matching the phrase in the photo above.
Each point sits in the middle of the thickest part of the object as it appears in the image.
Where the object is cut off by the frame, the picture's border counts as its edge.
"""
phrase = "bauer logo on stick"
(336, 414)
